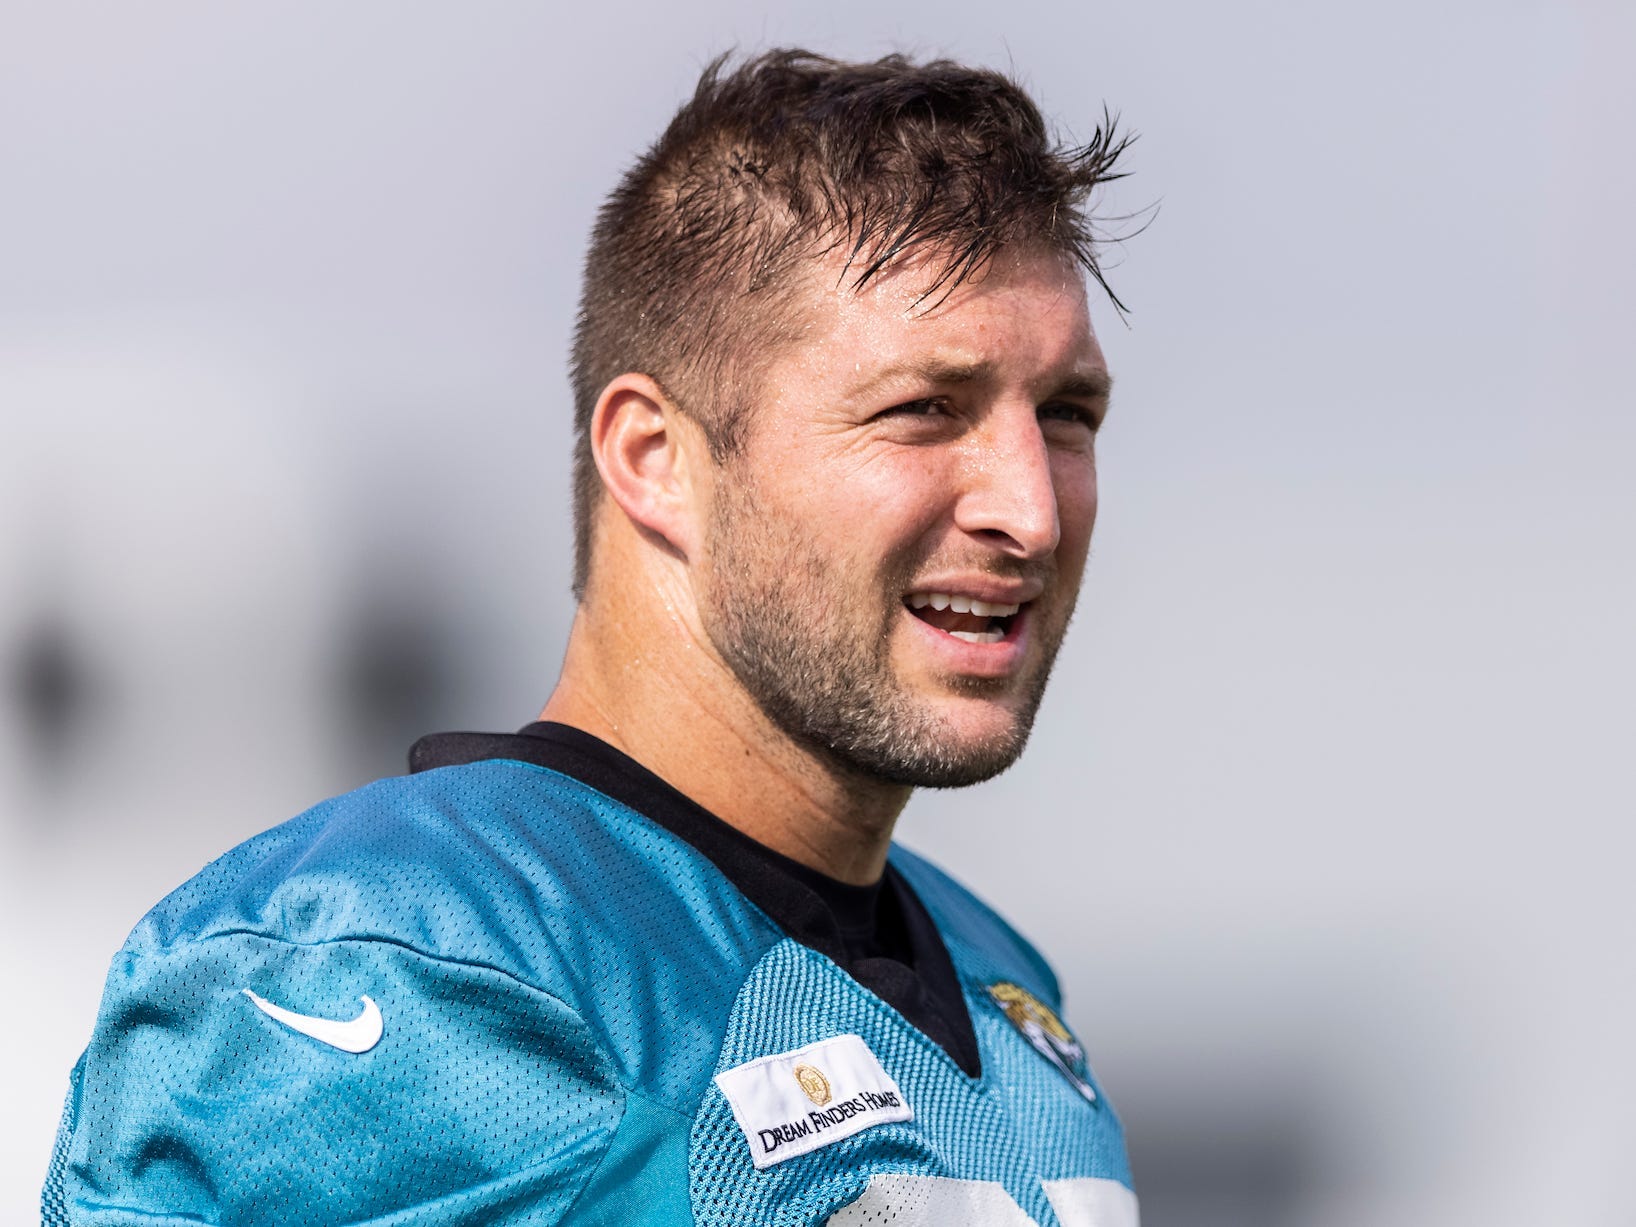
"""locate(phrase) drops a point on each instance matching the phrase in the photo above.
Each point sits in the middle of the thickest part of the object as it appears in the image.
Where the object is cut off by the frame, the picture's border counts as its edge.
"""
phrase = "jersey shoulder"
(507, 974)
(496, 864)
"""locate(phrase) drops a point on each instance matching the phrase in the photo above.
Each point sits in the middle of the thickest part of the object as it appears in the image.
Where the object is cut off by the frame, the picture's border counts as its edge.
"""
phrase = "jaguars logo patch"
(1041, 1027)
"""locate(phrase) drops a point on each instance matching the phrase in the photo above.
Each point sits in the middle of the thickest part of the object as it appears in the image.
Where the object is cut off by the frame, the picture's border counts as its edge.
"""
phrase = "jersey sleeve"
(240, 1078)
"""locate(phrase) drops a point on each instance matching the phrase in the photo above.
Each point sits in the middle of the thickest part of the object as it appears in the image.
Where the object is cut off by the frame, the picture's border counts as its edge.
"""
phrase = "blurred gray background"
(1326, 821)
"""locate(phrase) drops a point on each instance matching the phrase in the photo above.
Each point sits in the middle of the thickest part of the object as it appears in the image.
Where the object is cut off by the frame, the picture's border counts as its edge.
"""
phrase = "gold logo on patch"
(813, 1084)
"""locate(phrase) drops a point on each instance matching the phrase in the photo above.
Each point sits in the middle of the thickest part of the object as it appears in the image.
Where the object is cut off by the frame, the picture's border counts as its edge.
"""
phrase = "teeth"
(960, 604)
(979, 636)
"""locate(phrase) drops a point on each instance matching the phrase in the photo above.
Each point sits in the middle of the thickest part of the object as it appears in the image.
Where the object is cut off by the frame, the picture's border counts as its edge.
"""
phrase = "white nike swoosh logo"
(359, 1035)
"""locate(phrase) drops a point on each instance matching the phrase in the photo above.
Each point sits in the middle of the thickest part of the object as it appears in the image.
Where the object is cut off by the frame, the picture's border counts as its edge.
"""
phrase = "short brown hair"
(789, 156)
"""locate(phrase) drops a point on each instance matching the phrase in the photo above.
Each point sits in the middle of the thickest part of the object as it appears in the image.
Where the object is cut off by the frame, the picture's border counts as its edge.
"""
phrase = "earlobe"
(640, 441)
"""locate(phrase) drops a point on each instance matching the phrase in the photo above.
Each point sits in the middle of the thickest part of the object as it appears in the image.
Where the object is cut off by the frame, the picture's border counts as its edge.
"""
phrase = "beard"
(814, 653)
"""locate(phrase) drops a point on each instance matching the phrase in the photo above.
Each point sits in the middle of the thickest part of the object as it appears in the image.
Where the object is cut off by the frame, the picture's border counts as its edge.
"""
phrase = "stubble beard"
(816, 658)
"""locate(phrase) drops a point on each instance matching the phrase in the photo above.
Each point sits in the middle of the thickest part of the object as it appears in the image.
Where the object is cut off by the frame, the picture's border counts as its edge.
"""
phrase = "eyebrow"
(1093, 384)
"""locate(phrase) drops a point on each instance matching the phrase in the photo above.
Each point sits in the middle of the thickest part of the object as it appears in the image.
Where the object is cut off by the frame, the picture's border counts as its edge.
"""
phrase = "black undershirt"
(880, 934)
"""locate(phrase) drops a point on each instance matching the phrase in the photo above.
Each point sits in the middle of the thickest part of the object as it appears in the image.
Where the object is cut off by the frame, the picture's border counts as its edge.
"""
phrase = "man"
(654, 959)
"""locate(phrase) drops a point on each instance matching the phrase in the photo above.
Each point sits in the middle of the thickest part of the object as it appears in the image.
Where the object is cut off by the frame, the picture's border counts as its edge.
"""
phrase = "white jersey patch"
(1089, 1201)
(932, 1201)
(938, 1201)
(792, 1103)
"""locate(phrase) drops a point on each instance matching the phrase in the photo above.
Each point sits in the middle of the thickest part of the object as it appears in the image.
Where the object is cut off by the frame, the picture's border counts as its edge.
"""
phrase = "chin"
(948, 767)
(953, 747)
(973, 724)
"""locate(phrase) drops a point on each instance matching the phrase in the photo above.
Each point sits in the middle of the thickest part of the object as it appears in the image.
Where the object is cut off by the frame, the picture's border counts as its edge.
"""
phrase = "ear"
(648, 453)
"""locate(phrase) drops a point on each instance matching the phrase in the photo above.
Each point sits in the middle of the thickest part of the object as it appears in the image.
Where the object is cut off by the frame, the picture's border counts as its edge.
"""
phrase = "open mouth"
(962, 616)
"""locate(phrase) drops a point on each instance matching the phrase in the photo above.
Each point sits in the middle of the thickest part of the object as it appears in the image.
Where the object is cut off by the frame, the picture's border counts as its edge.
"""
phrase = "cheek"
(1075, 483)
(887, 506)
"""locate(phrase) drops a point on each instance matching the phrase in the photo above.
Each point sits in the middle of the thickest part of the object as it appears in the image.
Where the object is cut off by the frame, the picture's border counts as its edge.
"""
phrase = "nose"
(1008, 495)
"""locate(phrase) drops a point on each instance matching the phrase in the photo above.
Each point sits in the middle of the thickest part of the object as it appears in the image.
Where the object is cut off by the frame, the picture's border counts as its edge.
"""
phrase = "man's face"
(895, 552)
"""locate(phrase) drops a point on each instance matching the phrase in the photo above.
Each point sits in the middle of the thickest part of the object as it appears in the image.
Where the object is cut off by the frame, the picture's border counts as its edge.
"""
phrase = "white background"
(1326, 821)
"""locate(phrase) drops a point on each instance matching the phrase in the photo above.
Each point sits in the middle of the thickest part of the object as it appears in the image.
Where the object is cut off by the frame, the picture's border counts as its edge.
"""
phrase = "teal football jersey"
(491, 994)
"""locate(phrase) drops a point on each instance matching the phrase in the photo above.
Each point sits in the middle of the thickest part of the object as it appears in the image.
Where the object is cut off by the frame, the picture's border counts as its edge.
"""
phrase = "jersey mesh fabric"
(53, 1198)
(987, 950)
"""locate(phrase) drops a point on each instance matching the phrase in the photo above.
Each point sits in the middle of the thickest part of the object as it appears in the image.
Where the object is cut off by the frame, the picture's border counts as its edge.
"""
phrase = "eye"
(926, 407)
(1068, 411)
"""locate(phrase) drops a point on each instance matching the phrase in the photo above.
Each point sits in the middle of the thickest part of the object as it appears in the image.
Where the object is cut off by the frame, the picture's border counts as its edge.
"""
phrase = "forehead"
(1023, 314)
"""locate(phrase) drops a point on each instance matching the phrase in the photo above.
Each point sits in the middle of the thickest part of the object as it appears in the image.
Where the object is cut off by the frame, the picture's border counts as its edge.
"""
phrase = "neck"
(659, 693)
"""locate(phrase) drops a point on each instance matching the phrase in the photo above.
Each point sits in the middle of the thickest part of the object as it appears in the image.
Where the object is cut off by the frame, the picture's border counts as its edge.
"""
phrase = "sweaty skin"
(760, 632)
